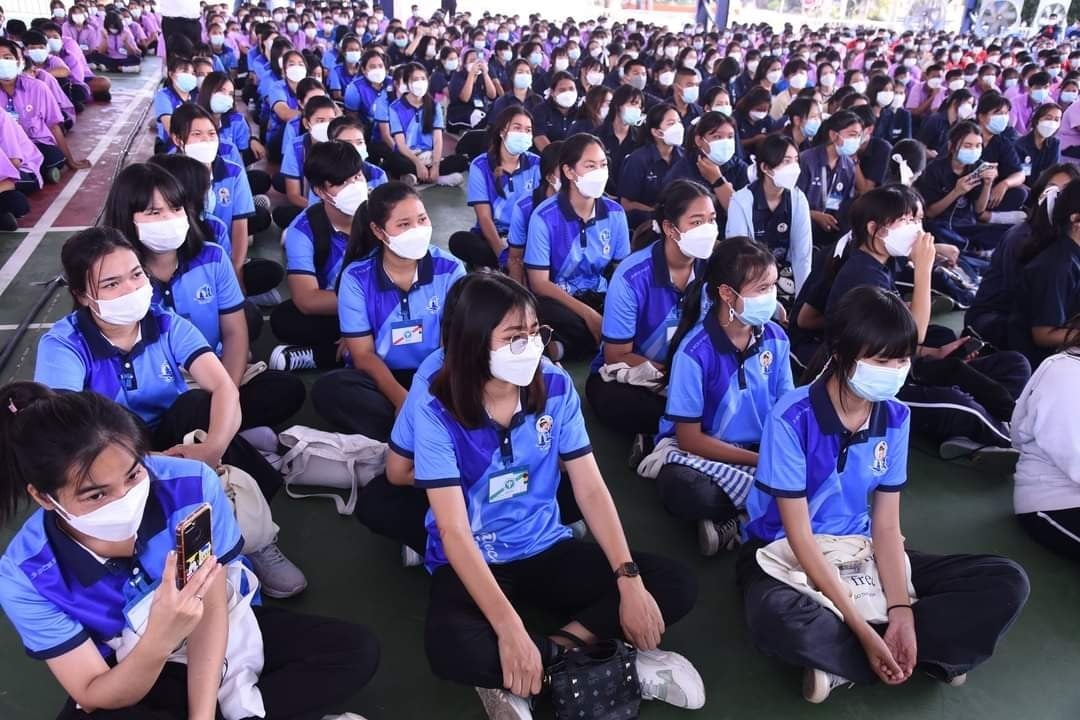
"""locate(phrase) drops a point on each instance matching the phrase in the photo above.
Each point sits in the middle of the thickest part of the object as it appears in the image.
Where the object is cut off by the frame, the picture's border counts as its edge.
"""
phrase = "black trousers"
(571, 580)
(352, 403)
(1058, 530)
(966, 603)
(689, 494)
(399, 512)
(14, 202)
(259, 180)
(191, 411)
(473, 250)
(261, 275)
(271, 398)
(397, 165)
(578, 341)
(626, 409)
(318, 331)
(181, 26)
(311, 665)
(285, 214)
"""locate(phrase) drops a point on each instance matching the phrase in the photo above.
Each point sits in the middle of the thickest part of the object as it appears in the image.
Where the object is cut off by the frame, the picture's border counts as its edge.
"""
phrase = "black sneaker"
(8, 223)
(292, 357)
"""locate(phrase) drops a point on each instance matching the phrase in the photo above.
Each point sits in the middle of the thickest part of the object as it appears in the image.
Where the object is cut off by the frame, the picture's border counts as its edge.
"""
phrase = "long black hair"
(495, 142)
(133, 192)
(83, 250)
(882, 206)
(459, 385)
(1043, 227)
(49, 439)
(427, 104)
(735, 262)
(376, 209)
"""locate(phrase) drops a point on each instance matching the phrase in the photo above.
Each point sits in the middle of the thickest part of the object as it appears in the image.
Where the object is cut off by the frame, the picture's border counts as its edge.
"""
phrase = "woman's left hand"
(639, 615)
(997, 194)
(199, 451)
(900, 639)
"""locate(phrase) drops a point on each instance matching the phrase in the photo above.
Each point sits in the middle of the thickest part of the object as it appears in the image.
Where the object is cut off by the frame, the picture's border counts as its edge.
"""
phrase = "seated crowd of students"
(747, 233)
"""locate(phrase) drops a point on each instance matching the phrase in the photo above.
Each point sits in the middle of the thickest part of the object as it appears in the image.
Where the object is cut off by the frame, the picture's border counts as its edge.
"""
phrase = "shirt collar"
(425, 271)
(600, 211)
(661, 273)
(101, 348)
(829, 421)
(723, 343)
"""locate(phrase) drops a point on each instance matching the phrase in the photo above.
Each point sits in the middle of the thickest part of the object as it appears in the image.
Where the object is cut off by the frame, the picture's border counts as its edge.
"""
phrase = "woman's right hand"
(967, 183)
(879, 656)
(174, 614)
(923, 253)
(523, 672)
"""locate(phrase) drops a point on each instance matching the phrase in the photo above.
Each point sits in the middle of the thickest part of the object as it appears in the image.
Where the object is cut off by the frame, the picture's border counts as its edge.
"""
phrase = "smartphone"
(193, 544)
(973, 345)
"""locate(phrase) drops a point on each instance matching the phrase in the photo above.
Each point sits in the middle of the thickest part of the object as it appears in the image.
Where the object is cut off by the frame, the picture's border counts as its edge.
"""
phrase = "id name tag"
(671, 332)
(833, 203)
(410, 332)
(505, 485)
(137, 612)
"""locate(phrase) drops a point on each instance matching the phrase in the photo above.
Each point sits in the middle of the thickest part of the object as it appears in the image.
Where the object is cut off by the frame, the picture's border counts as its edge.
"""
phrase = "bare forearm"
(206, 654)
(224, 416)
(891, 564)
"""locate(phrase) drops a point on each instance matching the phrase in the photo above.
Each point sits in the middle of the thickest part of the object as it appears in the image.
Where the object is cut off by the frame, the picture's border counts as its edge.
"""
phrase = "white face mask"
(412, 244)
(375, 75)
(758, 115)
(319, 132)
(785, 177)
(418, 88)
(351, 197)
(126, 309)
(673, 134)
(859, 86)
(592, 183)
(163, 235)
(666, 78)
(115, 522)
(594, 78)
(517, 369)
(933, 83)
(566, 98)
(296, 73)
(774, 76)
(698, 242)
(965, 111)
(204, 152)
(901, 239)
(1047, 128)
(797, 81)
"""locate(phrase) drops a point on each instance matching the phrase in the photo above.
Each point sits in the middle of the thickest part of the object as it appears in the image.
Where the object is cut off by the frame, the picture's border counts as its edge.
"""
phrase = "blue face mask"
(631, 115)
(721, 151)
(1038, 95)
(875, 382)
(810, 127)
(759, 309)
(518, 142)
(968, 156)
(997, 124)
(186, 82)
(849, 146)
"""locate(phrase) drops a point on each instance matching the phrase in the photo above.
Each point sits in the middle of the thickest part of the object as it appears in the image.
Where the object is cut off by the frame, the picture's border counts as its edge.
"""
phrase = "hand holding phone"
(193, 544)
(971, 347)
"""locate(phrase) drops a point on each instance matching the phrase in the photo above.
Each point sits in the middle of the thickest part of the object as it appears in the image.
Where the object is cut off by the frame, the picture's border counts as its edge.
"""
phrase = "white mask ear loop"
(823, 369)
(1049, 198)
(906, 174)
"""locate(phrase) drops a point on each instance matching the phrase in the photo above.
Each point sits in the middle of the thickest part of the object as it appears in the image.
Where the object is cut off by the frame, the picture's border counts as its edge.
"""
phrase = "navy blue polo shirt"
(1041, 160)
(934, 133)
(861, 268)
(734, 171)
(726, 390)
(892, 126)
(1002, 150)
(58, 595)
(74, 355)
(575, 252)
(617, 151)
(750, 129)
(405, 326)
(998, 285)
(938, 181)
(874, 161)
(642, 174)
(509, 476)
(806, 452)
(643, 307)
(511, 100)
(550, 123)
(300, 251)
(477, 101)
(828, 189)
(693, 112)
(202, 290)
(503, 195)
(1048, 296)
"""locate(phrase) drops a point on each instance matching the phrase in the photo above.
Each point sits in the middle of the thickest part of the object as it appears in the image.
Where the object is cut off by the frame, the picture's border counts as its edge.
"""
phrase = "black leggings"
(283, 215)
(626, 409)
(261, 276)
(14, 202)
(311, 665)
(191, 411)
(571, 580)
(578, 341)
(352, 403)
(1058, 530)
(320, 332)
(690, 494)
(271, 398)
(397, 165)
(473, 250)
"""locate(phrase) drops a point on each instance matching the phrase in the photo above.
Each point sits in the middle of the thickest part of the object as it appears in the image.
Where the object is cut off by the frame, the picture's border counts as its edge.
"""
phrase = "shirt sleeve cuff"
(291, 271)
(890, 488)
(616, 341)
(362, 333)
(231, 310)
(575, 454)
(61, 649)
(232, 554)
(438, 482)
(776, 492)
(195, 356)
(400, 450)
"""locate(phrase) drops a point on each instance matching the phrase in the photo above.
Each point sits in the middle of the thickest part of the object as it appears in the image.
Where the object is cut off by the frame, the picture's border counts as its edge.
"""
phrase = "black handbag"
(596, 682)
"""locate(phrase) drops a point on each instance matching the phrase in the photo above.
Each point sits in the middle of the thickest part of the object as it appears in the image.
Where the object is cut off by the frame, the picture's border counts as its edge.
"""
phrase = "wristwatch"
(629, 570)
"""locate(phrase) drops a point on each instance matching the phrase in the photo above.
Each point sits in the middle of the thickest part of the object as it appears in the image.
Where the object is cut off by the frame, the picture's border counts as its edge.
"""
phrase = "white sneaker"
(817, 684)
(292, 357)
(504, 705)
(344, 716)
(410, 179)
(410, 558)
(279, 577)
(451, 180)
(670, 678)
(957, 681)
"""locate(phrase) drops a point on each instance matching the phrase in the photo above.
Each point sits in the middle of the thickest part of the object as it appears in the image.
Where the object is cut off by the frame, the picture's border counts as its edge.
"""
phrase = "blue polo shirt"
(74, 355)
(519, 222)
(361, 97)
(727, 390)
(374, 175)
(829, 190)
(220, 233)
(641, 177)
(292, 162)
(549, 122)
(58, 595)
(807, 453)
(165, 103)
(232, 193)
(408, 121)
(300, 251)
(235, 131)
(643, 307)
(574, 252)
(508, 192)
(340, 78)
(403, 436)
(227, 58)
(405, 326)
(278, 92)
(292, 131)
(201, 290)
(509, 476)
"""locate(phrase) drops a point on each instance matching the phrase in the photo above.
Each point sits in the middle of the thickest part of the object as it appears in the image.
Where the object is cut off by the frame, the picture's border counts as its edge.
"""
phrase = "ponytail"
(373, 211)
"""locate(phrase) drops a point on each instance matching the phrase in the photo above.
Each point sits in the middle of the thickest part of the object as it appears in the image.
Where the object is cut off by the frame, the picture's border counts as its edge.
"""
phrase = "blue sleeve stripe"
(292, 177)
(474, 203)
(61, 649)
(243, 216)
(890, 488)
(575, 454)
(361, 334)
(231, 310)
(301, 272)
(400, 450)
(616, 341)
(438, 482)
(683, 418)
(232, 554)
(195, 356)
(537, 267)
(778, 493)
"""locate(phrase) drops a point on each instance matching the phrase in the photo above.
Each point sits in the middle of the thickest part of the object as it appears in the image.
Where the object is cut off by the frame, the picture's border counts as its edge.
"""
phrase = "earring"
(731, 314)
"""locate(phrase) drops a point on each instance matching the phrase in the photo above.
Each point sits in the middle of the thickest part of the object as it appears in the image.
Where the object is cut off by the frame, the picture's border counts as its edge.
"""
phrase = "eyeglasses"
(518, 343)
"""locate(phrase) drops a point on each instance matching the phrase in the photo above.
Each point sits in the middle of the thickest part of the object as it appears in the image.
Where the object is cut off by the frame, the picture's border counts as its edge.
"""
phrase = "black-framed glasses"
(518, 343)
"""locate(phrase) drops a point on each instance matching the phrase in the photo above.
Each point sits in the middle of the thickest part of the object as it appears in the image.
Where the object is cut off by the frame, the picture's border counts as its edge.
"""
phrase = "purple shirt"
(918, 94)
(35, 107)
(137, 32)
(15, 144)
(1069, 133)
(87, 37)
(74, 58)
(1020, 116)
(150, 24)
(117, 44)
(66, 106)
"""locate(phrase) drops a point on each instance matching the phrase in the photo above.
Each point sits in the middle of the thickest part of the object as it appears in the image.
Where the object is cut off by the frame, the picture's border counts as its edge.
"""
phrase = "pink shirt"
(15, 144)
(35, 107)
